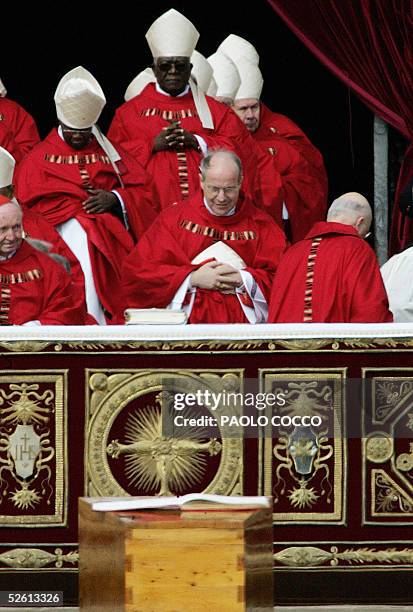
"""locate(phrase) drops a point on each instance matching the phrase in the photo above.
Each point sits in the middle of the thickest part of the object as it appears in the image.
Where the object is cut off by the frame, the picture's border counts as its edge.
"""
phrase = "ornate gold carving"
(388, 491)
(388, 394)
(25, 346)
(32, 460)
(388, 498)
(379, 448)
(153, 460)
(312, 556)
(404, 462)
(265, 345)
(156, 460)
(34, 558)
(302, 345)
(309, 469)
(270, 345)
(303, 496)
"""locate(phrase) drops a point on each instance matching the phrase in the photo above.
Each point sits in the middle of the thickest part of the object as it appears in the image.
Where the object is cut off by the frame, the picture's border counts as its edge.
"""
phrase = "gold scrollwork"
(305, 467)
(302, 453)
(34, 558)
(388, 498)
(303, 345)
(312, 556)
(31, 441)
(25, 346)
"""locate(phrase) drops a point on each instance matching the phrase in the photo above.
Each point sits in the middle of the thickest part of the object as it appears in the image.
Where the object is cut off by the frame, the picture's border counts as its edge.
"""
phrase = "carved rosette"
(305, 465)
(387, 449)
(32, 449)
(131, 448)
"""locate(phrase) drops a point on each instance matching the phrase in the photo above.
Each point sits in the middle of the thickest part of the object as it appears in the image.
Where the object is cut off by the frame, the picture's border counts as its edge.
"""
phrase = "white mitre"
(251, 81)
(7, 164)
(139, 83)
(172, 35)
(201, 70)
(236, 47)
(3, 90)
(79, 99)
(225, 74)
(79, 102)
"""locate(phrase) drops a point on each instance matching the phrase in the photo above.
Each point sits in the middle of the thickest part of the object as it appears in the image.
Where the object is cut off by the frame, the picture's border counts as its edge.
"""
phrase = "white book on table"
(109, 504)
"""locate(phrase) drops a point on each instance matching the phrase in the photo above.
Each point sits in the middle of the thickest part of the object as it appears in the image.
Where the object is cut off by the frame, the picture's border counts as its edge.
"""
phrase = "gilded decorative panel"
(388, 448)
(127, 451)
(33, 443)
(38, 557)
(351, 556)
(305, 455)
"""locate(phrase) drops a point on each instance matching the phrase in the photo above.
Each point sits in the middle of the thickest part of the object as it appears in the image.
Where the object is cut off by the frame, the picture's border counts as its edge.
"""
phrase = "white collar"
(6, 257)
(227, 214)
(161, 91)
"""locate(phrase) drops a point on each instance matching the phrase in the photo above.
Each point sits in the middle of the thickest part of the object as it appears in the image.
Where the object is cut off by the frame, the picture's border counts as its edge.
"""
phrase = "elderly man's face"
(77, 139)
(11, 229)
(248, 110)
(221, 185)
(172, 73)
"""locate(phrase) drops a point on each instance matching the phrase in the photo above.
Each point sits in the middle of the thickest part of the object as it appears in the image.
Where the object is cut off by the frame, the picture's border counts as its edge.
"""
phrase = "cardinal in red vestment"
(171, 124)
(214, 255)
(300, 164)
(332, 276)
(34, 289)
(88, 191)
(21, 126)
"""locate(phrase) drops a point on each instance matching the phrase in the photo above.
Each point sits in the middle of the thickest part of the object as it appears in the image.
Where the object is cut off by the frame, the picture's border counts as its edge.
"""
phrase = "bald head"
(224, 159)
(351, 209)
(221, 176)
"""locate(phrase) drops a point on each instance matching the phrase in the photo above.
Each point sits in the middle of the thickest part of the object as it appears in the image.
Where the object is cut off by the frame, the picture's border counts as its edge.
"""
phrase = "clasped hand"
(173, 138)
(217, 276)
(99, 201)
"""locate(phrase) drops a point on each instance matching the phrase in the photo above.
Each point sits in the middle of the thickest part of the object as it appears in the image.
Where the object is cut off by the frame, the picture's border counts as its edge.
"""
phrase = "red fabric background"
(367, 44)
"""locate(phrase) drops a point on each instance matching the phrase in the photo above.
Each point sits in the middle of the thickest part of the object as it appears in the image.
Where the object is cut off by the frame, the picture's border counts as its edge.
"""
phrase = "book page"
(136, 503)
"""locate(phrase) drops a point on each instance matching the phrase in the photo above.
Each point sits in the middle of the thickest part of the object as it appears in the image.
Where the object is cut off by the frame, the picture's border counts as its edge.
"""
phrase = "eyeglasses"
(179, 66)
(214, 190)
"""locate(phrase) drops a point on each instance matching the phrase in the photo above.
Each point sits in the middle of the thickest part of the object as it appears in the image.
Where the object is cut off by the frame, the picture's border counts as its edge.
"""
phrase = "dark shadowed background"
(39, 45)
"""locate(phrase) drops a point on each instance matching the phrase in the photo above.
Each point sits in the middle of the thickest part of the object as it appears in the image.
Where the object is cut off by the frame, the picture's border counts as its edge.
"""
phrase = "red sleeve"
(62, 305)
(155, 269)
(141, 148)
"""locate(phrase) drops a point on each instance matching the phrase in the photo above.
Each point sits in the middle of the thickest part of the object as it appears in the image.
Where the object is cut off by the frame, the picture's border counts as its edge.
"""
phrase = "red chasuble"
(161, 261)
(176, 174)
(34, 287)
(36, 226)
(21, 125)
(331, 276)
(304, 177)
(54, 178)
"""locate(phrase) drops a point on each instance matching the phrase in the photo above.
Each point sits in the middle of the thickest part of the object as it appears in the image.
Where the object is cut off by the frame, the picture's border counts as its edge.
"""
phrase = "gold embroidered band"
(204, 230)
(308, 296)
